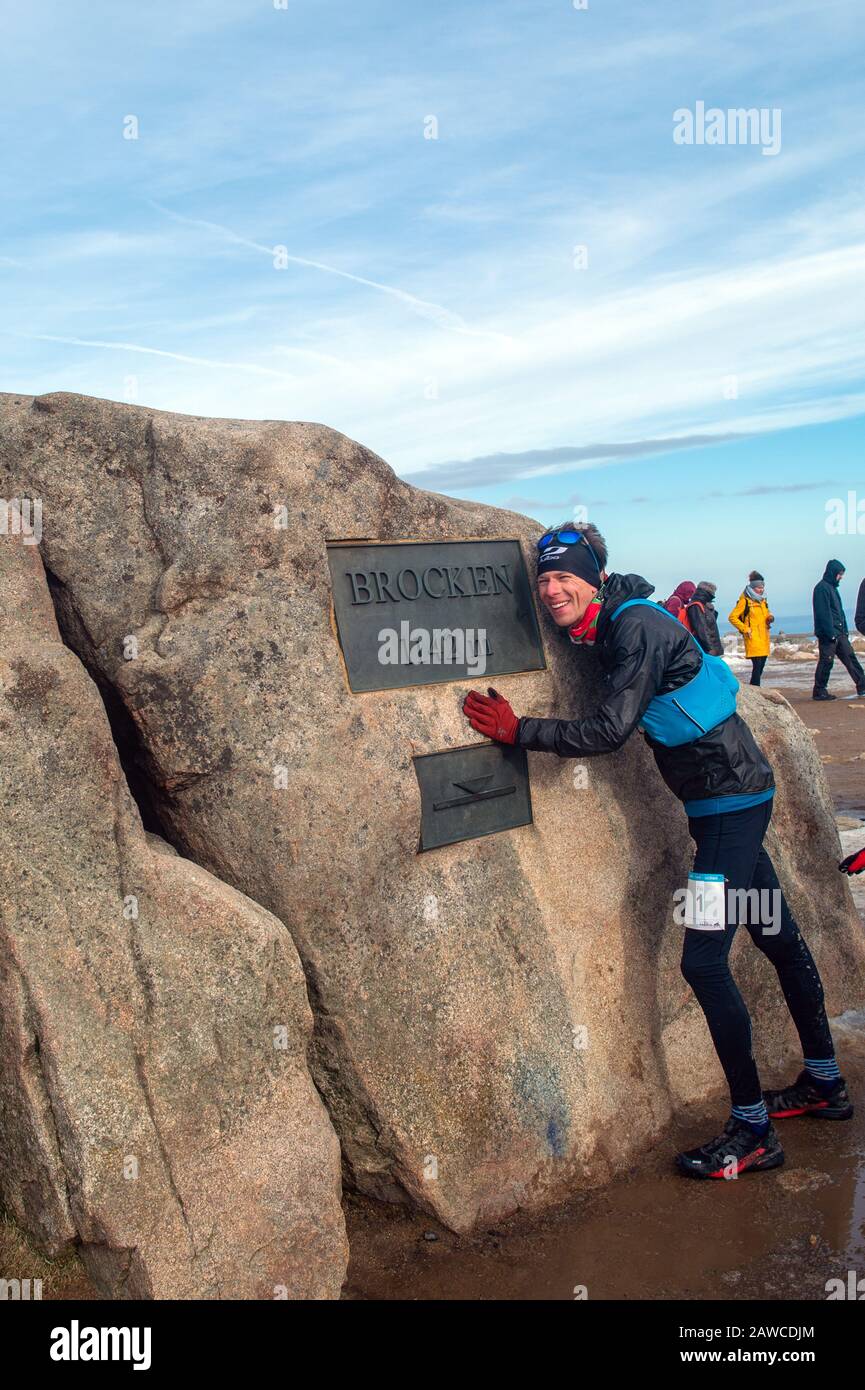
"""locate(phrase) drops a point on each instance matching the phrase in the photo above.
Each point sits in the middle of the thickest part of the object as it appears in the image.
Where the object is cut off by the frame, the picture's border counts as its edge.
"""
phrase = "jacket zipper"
(689, 716)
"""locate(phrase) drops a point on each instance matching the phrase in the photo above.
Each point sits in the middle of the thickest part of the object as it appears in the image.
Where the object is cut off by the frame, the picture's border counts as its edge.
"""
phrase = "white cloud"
(432, 308)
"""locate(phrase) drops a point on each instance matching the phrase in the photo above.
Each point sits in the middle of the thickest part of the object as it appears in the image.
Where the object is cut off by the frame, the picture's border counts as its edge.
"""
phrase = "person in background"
(830, 629)
(702, 618)
(753, 619)
(855, 863)
(682, 594)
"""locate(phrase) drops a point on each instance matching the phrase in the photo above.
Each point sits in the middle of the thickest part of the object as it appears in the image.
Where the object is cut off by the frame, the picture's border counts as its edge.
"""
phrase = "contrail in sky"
(434, 313)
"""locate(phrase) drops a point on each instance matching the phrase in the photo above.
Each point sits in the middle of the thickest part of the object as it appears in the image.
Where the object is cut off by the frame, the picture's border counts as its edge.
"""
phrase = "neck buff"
(757, 598)
(585, 632)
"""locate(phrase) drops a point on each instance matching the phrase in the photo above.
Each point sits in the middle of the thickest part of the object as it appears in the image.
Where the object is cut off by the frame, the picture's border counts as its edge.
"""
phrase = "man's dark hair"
(592, 535)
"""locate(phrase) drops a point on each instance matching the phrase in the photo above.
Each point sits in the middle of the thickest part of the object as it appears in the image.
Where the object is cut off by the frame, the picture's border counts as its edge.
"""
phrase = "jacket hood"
(832, 571)
(705, 591)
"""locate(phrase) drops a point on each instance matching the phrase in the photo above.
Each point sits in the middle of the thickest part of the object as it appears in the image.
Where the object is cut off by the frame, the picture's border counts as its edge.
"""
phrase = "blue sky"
(698, 383)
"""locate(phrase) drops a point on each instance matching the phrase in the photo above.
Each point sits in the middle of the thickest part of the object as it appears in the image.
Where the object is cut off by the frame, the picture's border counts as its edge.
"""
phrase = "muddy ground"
(652, 1234)
(839, 729)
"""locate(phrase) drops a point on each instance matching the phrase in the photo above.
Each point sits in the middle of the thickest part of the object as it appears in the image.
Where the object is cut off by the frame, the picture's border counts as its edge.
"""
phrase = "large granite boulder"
(500, 1021)
(156, 1106)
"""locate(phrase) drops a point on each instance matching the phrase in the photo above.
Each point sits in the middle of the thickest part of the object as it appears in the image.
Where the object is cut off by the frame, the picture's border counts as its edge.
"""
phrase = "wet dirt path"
(652, 1234)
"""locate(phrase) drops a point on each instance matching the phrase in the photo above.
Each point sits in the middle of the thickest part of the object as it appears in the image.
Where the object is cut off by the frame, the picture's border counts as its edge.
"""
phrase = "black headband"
(578, 558)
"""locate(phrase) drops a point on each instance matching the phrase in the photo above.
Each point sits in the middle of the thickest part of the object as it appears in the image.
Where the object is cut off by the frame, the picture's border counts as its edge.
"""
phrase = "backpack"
(684, 715)
(682, 614)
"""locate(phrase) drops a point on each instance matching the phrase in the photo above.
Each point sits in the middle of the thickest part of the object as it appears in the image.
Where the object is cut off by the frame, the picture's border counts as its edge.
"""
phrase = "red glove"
(854, 863)
(491, 715)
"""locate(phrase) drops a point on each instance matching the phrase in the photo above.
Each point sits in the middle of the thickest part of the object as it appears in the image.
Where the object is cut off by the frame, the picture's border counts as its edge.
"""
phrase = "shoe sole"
(815, 1112)
(773, 1161)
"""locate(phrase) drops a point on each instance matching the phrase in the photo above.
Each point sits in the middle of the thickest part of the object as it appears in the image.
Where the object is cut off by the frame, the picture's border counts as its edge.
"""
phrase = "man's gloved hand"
(491, 715)
(854, 863)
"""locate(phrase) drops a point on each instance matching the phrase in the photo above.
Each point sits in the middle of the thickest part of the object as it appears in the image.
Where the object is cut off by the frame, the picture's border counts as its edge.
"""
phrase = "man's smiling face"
(565, 596)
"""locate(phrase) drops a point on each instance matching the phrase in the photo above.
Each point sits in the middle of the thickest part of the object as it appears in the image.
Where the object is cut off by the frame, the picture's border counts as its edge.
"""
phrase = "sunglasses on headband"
(567, 537)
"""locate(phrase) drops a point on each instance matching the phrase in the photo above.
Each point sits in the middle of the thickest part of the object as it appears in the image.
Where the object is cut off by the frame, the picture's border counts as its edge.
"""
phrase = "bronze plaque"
(422, 612)
(473, 791)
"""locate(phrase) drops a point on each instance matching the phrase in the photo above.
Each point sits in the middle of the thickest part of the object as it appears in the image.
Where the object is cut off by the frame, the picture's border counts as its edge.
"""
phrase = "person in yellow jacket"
(753, 619)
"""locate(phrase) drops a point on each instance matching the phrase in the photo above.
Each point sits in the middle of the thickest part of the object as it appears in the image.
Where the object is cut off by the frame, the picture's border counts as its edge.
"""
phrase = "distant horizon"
(785, 621)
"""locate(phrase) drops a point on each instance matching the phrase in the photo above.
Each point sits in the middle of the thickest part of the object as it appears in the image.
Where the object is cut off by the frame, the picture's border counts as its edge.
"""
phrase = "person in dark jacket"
(703, 618)
(830, 629)
(860, 609)
(652, 664)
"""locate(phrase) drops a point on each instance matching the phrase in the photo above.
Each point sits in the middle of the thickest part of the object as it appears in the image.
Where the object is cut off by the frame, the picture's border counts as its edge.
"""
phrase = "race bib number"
(704, 905)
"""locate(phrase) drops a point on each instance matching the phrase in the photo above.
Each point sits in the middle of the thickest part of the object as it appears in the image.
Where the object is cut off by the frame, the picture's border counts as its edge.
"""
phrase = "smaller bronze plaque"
(472, 791)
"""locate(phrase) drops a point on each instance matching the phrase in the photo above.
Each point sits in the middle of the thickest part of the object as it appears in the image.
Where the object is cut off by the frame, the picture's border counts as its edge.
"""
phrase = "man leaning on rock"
(658, 679)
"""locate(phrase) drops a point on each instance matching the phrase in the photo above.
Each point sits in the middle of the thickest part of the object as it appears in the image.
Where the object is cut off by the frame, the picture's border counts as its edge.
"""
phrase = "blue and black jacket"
(645, 655)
